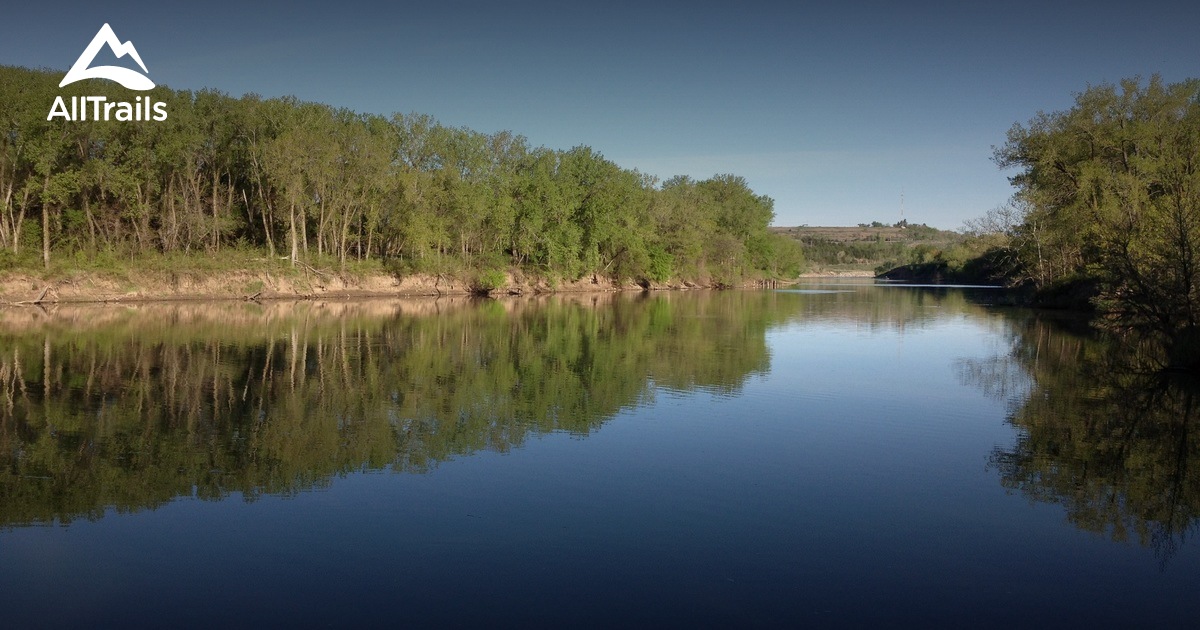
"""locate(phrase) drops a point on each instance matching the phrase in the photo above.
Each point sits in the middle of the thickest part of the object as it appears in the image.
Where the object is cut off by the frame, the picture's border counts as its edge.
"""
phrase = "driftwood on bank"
(41, 298)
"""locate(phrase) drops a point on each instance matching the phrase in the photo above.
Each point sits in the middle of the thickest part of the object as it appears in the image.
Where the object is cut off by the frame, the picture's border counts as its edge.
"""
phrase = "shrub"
(488, 281)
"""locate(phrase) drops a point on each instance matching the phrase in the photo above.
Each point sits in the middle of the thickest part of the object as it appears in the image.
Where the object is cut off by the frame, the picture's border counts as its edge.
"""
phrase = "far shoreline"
(850, 273)
(25, 289)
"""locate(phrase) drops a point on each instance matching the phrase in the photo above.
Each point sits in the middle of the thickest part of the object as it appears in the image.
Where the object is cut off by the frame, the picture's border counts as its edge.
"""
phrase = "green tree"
(331, 184)
(1113, 192)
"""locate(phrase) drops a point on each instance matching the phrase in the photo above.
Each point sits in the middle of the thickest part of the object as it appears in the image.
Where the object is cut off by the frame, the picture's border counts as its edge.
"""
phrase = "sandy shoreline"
(22, 289)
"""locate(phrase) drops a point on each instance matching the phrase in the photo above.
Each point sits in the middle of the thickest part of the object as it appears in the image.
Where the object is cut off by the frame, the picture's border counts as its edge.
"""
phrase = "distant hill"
(869, 248)
(913, 233)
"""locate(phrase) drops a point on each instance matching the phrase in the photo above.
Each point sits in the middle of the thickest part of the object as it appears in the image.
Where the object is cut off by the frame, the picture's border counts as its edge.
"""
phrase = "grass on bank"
(132, 269)
(152, 270)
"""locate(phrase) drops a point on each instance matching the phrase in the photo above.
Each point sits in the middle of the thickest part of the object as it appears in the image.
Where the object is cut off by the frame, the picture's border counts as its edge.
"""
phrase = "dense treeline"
(312, 182)
(1108, 199)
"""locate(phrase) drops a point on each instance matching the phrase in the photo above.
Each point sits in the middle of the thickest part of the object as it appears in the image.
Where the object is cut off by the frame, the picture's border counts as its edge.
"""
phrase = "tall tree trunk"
(320, 227)
(370, 238)
(216, 222)
(16, 246)
(7, 216)
(265, 219)
(228, 200)
(46, 223)
(87, 213)
(343, 247)
(292, 221)
(304, 234)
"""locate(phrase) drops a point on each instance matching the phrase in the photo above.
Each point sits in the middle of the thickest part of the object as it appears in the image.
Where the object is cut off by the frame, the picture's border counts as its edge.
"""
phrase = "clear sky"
(833, 111)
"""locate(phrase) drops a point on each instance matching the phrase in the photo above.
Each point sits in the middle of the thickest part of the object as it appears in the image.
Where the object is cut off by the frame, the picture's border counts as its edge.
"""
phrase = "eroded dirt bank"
(262, 285)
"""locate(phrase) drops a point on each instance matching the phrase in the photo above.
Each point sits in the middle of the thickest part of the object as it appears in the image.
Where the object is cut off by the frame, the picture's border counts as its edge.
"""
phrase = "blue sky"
(832, 111)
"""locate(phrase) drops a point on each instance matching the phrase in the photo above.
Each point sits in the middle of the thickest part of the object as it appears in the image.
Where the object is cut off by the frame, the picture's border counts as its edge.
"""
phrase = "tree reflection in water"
(110, 409)
(1099, 431)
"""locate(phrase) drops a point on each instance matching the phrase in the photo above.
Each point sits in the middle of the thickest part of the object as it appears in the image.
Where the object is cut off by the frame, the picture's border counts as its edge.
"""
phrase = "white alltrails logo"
(124, 76)
(144, 108)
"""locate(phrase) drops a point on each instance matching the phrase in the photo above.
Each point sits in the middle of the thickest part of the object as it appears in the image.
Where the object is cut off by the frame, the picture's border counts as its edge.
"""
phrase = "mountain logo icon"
(125, 76)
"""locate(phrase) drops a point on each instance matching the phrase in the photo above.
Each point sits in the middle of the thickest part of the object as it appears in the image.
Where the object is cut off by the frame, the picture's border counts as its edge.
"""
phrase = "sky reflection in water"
(861, 456)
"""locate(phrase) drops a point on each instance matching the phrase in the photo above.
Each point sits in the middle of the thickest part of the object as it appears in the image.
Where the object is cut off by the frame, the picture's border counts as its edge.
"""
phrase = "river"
(840, 454)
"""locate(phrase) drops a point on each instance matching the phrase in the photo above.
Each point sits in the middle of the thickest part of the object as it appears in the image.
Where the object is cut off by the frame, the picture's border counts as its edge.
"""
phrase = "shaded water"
(841, 454)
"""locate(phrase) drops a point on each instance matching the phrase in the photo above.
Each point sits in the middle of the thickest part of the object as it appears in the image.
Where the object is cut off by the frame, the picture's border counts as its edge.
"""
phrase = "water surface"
(846, 454)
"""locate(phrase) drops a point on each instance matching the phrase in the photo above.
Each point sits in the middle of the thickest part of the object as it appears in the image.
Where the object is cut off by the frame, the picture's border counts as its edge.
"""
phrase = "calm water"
(843, 454)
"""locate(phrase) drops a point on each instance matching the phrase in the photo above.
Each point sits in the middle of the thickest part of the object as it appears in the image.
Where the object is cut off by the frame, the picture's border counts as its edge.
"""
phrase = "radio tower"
(903, 224)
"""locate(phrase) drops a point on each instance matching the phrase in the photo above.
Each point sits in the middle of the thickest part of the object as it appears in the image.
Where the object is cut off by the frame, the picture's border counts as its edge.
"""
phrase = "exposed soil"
(260, 285)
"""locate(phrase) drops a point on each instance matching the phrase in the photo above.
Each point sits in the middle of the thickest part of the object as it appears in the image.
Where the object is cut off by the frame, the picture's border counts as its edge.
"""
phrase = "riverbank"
(23, 288)
(845, 273)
